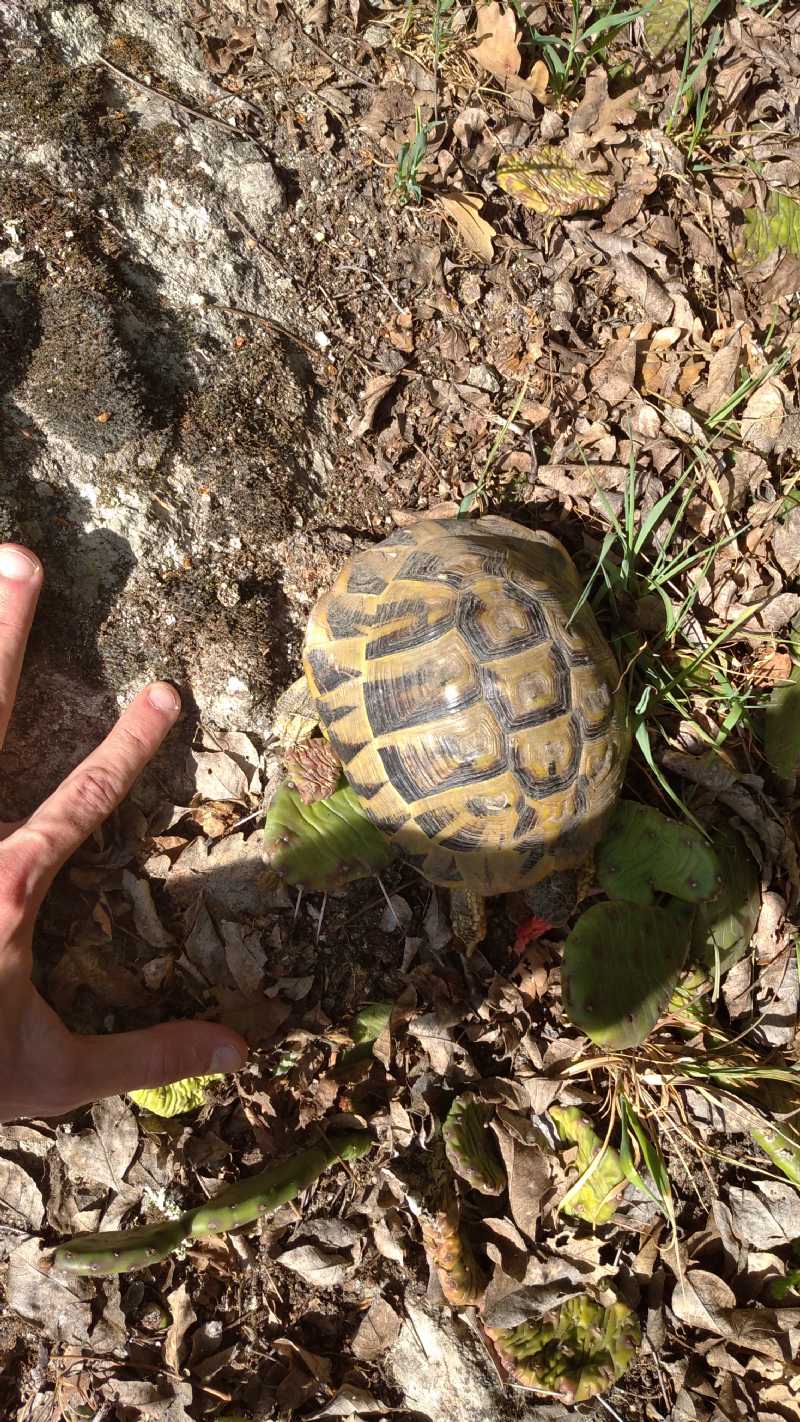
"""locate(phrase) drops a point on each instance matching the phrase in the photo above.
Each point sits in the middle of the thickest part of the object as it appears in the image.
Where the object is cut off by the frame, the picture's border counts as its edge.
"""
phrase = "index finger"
(20, 585)
(91, 791)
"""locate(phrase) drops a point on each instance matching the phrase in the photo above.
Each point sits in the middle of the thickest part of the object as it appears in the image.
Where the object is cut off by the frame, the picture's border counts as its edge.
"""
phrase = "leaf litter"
(648, 322)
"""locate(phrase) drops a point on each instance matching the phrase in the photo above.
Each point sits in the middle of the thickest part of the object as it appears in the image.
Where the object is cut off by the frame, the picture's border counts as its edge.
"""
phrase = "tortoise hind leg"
(468, 918)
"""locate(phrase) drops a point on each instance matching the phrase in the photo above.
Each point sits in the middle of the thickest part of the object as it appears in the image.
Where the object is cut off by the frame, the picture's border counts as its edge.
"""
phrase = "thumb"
(128, 1061)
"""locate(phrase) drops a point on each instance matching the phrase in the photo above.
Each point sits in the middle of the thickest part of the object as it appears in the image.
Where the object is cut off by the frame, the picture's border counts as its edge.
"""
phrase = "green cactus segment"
(596, 1199)
(365, 1030)
(116, 1252)
(323, 845)
(179, 1096)
(778, 226)
(621, 964)
(248, 1200)
(781, 1145)
(666, 26)
(782, 726)
(724, 927)
(576, 1352)
(470, 1146)
(643, 851)
(691, 998)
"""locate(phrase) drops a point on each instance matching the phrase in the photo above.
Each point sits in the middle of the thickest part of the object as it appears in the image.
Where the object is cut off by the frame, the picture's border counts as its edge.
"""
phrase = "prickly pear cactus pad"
(781, 1144)
(666, 26)
(778, 226)
(365, 1029)
(470, 1146)
(596, 1200)
(724, 927)
(782, 713)
(548, 181)
(322, 845)
(461, 1278)
(577, 1352)
(642, 851)
(115, 1252)
(621, 964)
(177, 1097)
(247, 1200)
(314, 769)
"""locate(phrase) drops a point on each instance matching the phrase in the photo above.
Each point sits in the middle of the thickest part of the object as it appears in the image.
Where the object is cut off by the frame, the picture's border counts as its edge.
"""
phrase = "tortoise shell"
(477, 719)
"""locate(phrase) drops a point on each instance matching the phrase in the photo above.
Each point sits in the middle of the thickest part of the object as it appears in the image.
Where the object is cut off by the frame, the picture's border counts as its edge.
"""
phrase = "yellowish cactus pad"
(179, 1096)
(549, 181)
(667, 28)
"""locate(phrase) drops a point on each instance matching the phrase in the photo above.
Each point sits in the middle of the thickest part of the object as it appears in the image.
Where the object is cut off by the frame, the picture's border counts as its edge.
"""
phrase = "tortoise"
(467, 693)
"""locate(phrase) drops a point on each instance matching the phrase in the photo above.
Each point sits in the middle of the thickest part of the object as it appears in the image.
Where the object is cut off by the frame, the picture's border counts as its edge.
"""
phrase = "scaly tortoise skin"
(479, 726)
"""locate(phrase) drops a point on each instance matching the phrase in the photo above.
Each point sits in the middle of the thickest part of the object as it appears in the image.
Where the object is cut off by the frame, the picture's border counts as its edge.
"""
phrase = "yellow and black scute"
(477, 719)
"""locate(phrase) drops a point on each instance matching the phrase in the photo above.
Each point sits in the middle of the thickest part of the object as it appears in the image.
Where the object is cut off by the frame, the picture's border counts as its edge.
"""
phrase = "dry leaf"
(105, 1154)
(537, 80)
(767, 1217)
(145, 914)
(219, 777)
(375, 392)
(20, 1197)
(350, 1401)
(476, 233)
(86, 965)
(597, 115)
(245, 957)
(376, 1332)
(722, 371)
(497, 49)
(230, 872)
(615, 373)
(202, 944)
(636, 281)
(763, 416)
(702, 1300)
(183, 1316)
(256, 1017)
(322, 1268)
(786, 543)
(60, 1304)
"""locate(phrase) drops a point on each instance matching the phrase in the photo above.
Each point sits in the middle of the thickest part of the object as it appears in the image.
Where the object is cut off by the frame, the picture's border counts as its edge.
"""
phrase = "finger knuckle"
(95, 792)
(15, 879)
(133, 742)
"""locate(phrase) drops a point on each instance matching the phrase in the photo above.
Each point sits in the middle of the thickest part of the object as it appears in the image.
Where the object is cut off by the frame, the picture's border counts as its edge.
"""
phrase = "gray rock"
(157, 452)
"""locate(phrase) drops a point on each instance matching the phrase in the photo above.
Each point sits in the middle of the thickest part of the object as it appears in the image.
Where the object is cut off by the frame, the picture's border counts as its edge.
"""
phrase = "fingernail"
(227, 1059)
(164, 697)
(18, 565)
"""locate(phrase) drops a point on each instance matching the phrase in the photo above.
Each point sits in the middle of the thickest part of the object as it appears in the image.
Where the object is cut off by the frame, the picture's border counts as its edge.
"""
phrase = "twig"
(609, 1408)
(338, 63)
(349, 267)
(179, 104)
(716, 255)
(338, 113)
(274, 326)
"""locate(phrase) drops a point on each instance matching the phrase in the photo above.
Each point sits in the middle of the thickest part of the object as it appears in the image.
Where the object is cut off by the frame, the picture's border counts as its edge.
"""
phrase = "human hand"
(46, 1070)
